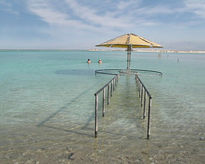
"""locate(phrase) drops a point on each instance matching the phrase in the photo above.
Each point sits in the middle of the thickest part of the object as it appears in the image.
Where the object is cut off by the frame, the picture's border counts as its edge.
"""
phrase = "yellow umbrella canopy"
(130, 41)
(135, 41)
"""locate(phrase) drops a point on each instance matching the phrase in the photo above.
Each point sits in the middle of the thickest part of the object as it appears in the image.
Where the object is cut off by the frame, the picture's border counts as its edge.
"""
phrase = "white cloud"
(196, 6)
(152, 11)
(90, 15)
(49, 14)
(125, 4)
(7, 7)
(75, 15)
(5, 3)
(86, 17)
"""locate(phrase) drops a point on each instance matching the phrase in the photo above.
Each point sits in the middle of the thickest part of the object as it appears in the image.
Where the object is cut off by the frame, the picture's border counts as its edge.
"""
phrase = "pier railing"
(107, 90)
(143, 95)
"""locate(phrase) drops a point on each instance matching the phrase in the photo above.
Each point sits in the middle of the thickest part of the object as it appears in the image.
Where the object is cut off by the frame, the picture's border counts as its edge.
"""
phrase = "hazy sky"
(81, 24)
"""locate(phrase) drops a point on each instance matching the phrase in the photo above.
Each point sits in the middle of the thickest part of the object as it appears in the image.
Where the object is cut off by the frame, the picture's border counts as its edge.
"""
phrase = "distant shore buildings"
(162, 51)
(154, 50)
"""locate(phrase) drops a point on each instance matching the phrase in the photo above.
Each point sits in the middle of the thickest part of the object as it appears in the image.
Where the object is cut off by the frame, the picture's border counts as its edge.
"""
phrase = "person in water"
(89, 61)
(100, 61)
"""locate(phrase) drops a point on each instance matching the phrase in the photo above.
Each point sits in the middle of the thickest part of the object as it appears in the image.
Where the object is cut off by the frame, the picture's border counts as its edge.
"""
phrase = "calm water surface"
(47, 108)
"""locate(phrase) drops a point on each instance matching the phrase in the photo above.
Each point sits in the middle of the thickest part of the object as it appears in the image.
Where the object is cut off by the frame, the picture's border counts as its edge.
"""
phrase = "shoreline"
(107, 50)
(156, 51)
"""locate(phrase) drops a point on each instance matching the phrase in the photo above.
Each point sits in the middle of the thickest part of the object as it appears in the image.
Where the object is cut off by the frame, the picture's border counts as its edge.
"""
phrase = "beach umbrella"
(129, 41)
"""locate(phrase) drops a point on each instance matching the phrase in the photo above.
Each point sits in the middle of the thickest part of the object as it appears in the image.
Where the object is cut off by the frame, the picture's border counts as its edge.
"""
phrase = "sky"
(81, 24)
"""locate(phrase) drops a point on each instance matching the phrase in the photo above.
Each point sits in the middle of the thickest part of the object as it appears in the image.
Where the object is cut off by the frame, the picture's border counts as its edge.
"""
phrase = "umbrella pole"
(129, 49)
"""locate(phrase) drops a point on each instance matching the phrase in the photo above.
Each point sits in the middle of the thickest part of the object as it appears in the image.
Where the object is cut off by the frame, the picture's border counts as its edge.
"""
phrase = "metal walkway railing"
(133, 71)
(143, 94)
(110, 89)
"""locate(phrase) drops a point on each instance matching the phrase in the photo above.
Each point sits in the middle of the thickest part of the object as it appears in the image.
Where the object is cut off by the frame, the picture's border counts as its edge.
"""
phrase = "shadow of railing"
(65, 106)
(89, 132)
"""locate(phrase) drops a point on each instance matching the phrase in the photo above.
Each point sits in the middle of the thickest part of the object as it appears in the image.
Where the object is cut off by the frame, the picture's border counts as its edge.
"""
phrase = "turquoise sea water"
(47, 108)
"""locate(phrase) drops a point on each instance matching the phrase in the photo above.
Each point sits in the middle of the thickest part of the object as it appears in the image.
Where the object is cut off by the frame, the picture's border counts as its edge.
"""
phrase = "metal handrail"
(102, 71)
(143, 86)
(142, 94)
(105, 85)
(110, 89)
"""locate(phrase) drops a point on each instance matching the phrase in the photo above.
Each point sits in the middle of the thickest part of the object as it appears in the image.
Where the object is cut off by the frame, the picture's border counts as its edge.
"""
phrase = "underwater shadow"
(69, 131)
(65, 107)
(91, 132)
(76, 72)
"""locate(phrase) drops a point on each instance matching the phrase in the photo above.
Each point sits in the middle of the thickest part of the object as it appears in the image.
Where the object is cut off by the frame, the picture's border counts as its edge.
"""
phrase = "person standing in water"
(99, 61)
(89, 61)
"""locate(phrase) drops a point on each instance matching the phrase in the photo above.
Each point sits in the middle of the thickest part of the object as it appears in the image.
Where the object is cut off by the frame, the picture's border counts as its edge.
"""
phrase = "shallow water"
(47, 108)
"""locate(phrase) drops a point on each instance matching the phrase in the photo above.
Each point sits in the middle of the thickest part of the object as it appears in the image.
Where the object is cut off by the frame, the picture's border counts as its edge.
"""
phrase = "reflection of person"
(89, 61)
(100, 61)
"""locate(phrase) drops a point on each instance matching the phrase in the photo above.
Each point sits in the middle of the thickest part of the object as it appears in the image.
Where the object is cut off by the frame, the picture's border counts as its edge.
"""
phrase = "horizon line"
(96, 49)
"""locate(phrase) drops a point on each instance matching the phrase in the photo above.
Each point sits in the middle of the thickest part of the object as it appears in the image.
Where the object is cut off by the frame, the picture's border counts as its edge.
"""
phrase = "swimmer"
(100, 61)
(89, 61)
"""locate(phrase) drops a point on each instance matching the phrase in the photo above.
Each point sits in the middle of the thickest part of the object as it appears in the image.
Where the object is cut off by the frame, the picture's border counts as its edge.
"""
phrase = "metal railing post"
(96, 115)
(139, 89)
(108, 94)
(149, 112)
(113, 81)
(111, 89)
(144, 109)
(103, 107)
(142, 95)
